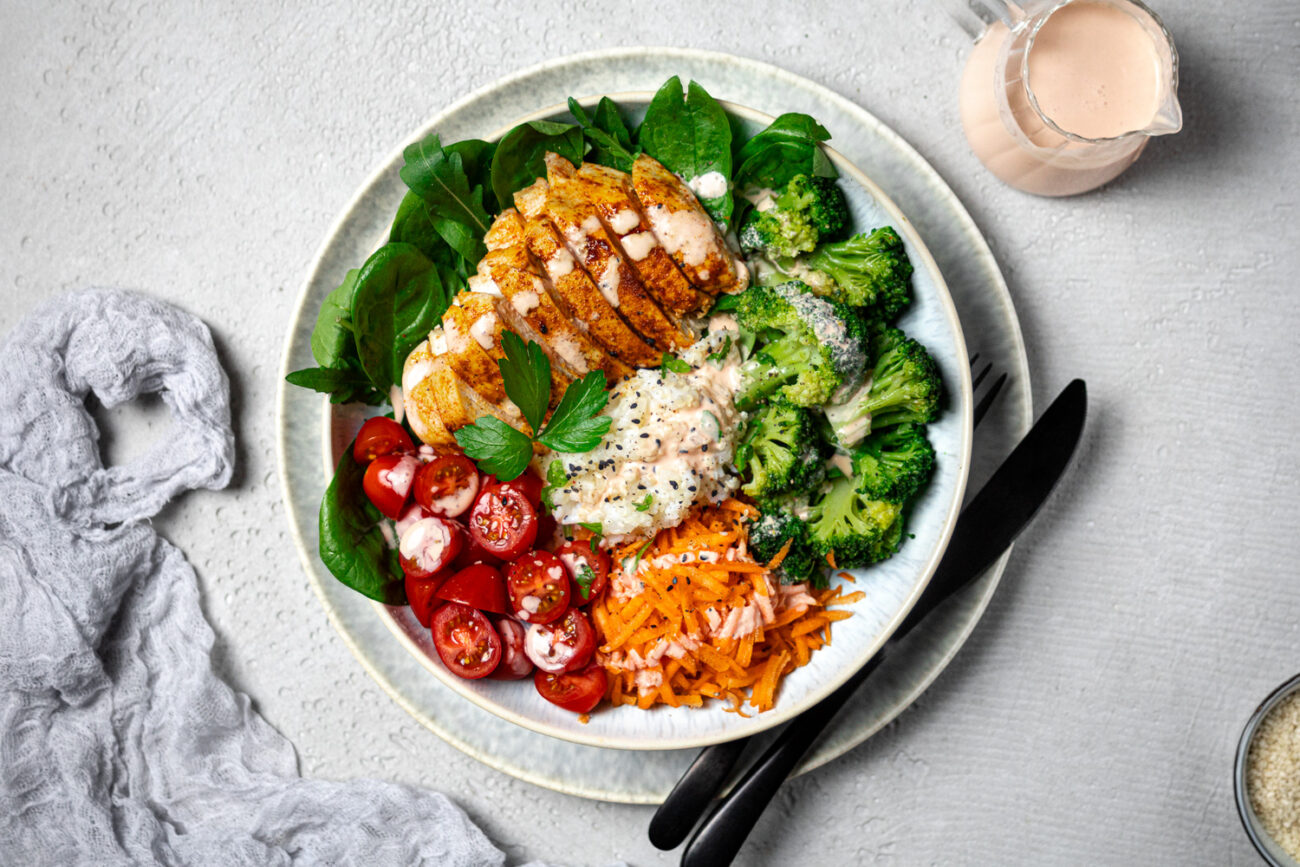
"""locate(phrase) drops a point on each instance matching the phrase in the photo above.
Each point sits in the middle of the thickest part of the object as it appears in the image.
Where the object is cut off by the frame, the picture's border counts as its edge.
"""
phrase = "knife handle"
(718, 840)
(688, 800)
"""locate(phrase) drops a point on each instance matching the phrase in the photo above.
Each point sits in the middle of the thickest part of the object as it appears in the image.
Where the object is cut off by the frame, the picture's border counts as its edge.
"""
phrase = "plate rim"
(963, 222)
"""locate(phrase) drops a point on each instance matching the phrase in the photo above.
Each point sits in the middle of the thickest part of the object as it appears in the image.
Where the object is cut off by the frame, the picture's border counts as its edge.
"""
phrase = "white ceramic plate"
(891, 587)
(596, 772)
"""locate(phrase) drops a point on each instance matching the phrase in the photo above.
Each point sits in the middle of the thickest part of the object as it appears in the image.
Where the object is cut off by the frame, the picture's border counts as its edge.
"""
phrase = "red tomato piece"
(479, 586)
(514, 662)
(562, 646)
(530, 485)
(380, 436)
(430, 545)
(465, 640)
(503, 522)
(538, 586)
(587, 569)
(420, 595)
(447, 485)
(578, 691)
(473, 553)
(388, 483)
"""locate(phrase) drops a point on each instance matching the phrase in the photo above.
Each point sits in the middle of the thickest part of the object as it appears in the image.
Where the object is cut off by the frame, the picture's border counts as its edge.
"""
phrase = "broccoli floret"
(779, 451)
(853, 528)
(894, 463)
(865, 271)
(768, 535)
(904, 387)
(807, 346)
(809, 211)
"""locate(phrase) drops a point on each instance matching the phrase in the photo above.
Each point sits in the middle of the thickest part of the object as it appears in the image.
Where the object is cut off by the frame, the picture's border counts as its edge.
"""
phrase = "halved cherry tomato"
(380, 436)
(479, 586)
(577, 557)
(465, 640)
(430, 545)
(538, 585)
(473, 553)
(530, 485)
(447, 485)
(503, 522)
(514, 663)
(578, 691)
(388, 483)
(562, 646)
(420, 595)
(412, 513)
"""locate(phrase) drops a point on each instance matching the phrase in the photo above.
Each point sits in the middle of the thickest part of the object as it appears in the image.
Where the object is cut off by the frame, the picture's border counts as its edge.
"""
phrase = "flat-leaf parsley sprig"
(575, 426)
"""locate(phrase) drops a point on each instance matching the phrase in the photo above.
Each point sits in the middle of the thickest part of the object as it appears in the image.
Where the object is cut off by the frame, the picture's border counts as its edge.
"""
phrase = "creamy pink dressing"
(1095, 71)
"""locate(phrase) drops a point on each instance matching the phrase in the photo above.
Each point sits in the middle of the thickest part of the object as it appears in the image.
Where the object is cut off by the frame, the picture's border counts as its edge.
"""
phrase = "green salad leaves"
(690, 134)
(574, 426)
(352, 546)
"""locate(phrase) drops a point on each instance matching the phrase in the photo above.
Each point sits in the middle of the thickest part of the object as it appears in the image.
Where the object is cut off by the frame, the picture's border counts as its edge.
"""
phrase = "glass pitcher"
(1020, 97)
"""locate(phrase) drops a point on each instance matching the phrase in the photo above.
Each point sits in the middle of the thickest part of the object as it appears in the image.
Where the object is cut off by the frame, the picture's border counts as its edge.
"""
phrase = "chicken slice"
(439, 401)
(608, 192)
(468, 341)
(595, 250)
(573, 290)
(685, 230)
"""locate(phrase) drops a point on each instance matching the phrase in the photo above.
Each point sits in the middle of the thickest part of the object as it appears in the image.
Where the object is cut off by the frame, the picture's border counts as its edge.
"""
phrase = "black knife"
(988, 524)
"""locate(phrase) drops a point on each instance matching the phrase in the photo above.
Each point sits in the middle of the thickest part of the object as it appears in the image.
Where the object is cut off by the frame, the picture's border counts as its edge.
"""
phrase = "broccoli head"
(780, 451)
(904, 387)
(850, 527)
(770, 533)
(894, 463)
(865, 271)
(807, 347)
(809, 211)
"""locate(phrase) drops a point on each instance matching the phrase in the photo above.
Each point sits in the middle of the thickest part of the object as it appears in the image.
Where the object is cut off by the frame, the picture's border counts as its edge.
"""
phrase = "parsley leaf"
(575, 425)
(498, 448)
(644, 505)
(555, 475)
(526, 372)
(674, 364)
(721, 355)
(584, 580)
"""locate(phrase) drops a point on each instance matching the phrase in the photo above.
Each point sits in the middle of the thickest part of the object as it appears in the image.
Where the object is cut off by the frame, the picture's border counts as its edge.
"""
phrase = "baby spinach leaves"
(398, 301)
(520, 158)
(454, 206)
(690, 134)
(352, 543)
(791, 145)
(332, 345)
(608, 138)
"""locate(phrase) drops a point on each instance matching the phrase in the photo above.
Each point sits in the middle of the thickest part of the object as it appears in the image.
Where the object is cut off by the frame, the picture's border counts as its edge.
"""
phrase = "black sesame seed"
(645, 436)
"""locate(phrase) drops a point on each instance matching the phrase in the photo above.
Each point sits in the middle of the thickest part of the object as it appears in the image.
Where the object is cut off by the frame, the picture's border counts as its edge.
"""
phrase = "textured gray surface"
(200, 153)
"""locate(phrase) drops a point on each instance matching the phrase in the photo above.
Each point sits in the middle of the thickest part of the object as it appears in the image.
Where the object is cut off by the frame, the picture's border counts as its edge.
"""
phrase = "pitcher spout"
(1169, 119)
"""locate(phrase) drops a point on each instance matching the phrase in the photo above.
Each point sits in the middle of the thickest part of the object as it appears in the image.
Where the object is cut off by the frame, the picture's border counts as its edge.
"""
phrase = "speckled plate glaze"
(985, 310)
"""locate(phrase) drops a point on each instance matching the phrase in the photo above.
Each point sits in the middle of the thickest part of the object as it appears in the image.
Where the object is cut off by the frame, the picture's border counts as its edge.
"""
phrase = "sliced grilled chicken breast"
(595, 250)
(439, 402)
(531, 299)
(608, 193)
(418, 385)
(573, 289)
(469, 341)
(685, 229)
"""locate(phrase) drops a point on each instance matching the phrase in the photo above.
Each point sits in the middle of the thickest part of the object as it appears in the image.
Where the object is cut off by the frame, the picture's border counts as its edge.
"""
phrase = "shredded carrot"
(695, 612)
(780, 555)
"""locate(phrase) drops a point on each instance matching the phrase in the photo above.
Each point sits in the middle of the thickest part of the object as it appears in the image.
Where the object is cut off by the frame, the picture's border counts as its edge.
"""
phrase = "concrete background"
(200, 151)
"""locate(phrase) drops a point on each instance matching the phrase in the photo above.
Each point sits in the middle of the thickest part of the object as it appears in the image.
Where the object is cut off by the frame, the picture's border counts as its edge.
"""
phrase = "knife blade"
(988, 524)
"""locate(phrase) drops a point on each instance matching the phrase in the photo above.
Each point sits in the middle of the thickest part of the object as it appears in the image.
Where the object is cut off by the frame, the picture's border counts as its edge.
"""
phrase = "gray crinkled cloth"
(120, 745)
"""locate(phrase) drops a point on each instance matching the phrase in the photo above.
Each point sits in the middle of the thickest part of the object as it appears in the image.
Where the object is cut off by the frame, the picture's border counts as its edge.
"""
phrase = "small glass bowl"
(1266, 846)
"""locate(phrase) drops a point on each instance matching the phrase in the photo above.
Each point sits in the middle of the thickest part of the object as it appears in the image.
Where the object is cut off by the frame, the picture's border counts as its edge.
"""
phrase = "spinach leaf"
(454, 206)
(331, 339)
(789, 146)
(690, 134)
(352, 546)
(607, 134)
(343, 385)
(398, 300)
(412, 225)
(520, 157)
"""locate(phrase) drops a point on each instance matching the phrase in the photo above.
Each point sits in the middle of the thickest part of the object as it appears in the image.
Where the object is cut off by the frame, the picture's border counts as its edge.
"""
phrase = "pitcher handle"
(975, 16)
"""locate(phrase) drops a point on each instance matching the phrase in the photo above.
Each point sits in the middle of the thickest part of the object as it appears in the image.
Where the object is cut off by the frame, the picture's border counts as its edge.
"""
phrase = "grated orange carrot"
(679, 591)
